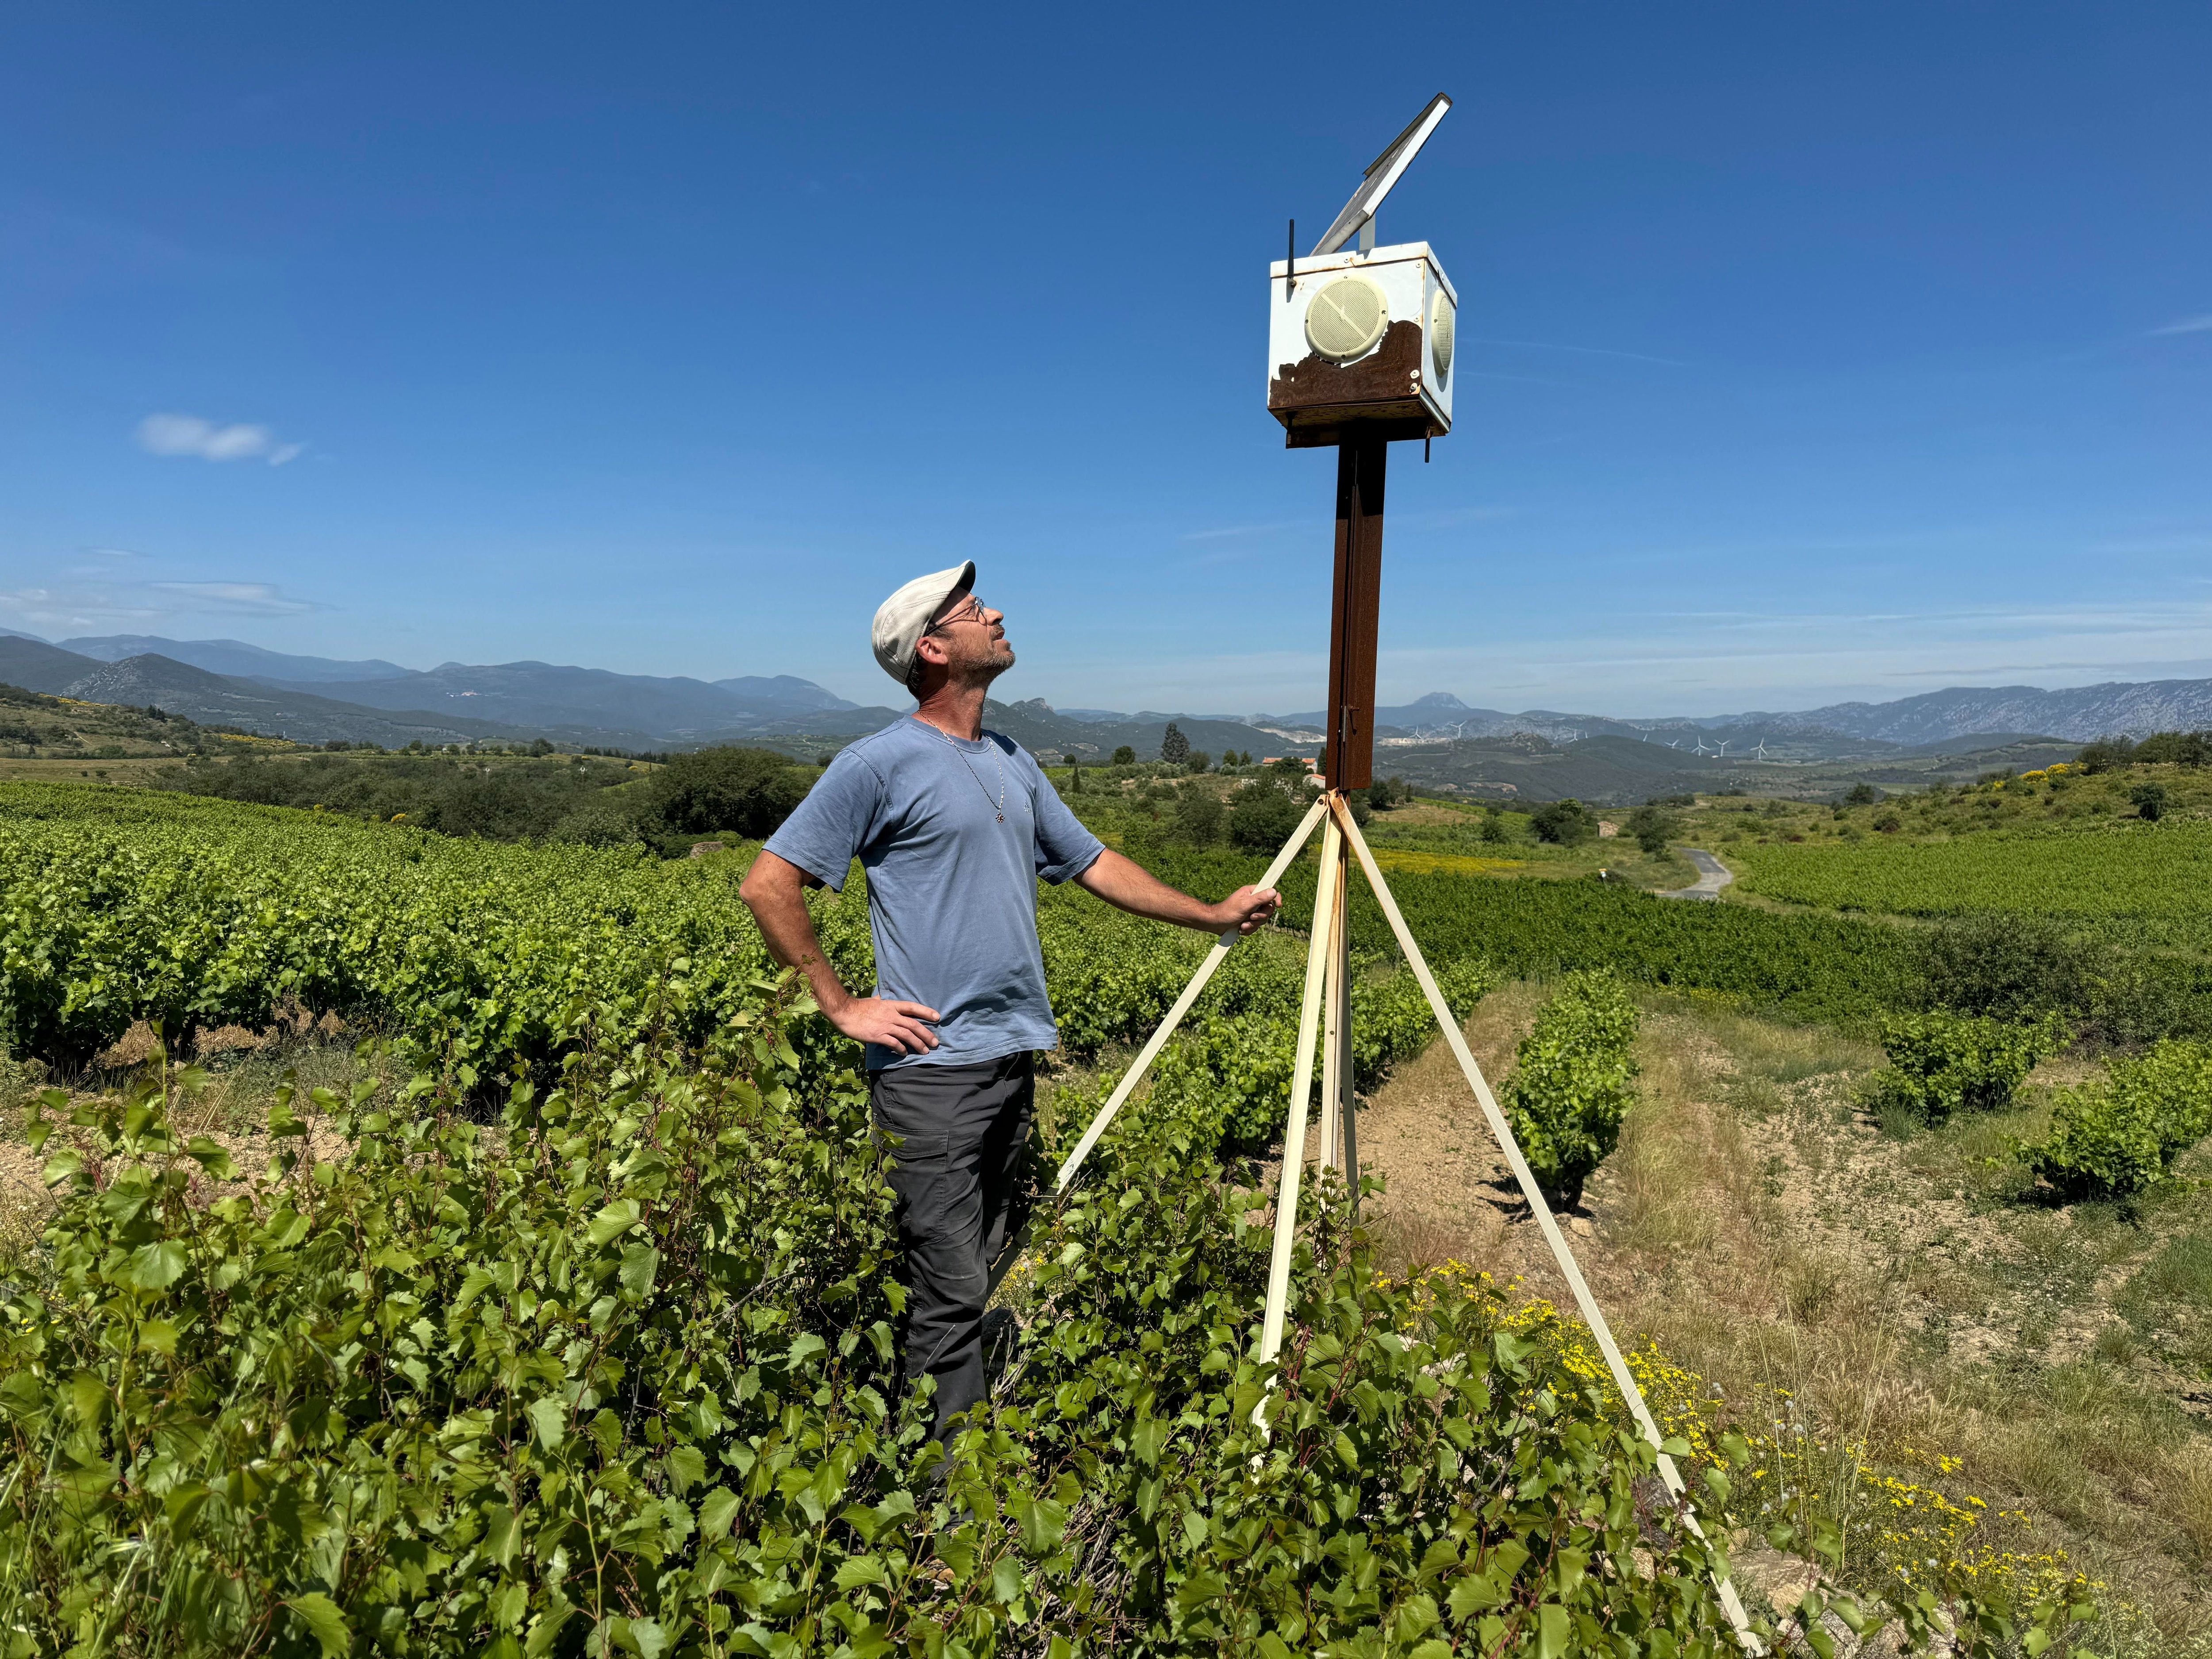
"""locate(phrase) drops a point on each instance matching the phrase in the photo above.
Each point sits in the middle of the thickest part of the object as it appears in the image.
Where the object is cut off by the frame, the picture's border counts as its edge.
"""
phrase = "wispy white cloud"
(1227, 532)
(2200, 324)
(64, 611)
(242, 598)
(93, 603)
(190, 434)
(1579, 350)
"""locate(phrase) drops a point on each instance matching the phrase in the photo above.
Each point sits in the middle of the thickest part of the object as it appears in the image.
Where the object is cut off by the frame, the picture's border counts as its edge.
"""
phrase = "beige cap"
(903, 618)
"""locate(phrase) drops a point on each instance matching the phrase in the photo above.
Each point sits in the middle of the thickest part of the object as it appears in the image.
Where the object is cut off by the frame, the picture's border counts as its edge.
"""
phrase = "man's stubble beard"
(994, 659)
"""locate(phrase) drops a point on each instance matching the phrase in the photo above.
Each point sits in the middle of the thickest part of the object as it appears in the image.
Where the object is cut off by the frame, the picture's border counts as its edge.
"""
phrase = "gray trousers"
(960, 1132)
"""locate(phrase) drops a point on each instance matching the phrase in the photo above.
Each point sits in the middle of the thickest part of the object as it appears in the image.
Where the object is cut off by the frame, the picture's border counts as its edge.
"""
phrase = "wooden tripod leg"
(1158, 1041)
(1302, 1070)
(1338, 1143)
(1332, 1030)
(1585, 1303)
(1348, 1107)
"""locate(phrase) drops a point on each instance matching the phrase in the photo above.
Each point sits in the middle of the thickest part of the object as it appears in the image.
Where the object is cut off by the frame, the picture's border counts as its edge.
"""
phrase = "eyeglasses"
(972, 611)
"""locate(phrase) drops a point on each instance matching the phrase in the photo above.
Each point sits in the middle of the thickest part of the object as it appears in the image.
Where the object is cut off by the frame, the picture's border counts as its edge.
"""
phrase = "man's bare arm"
(774, 891)
(1127, 885)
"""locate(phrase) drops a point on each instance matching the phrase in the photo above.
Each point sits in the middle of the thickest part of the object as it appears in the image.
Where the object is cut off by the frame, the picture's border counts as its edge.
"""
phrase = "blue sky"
(1808, 351)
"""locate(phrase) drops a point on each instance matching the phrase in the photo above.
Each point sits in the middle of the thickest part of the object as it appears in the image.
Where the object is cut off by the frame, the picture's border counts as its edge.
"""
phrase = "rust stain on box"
(1386, 374)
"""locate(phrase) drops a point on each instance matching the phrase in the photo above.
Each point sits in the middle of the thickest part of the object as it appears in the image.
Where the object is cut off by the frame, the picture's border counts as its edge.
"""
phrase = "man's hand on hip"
(902, 1027)
(1247, 909)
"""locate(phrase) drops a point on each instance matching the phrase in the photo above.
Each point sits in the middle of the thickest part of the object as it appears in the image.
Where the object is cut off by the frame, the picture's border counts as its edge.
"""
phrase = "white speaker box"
(1361, 338)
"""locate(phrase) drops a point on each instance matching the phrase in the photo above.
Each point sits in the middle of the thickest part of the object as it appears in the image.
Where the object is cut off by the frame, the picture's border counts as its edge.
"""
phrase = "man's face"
(974, 639)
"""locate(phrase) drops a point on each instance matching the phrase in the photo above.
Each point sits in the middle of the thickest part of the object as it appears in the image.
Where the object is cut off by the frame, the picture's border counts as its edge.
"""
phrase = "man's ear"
(931, 649)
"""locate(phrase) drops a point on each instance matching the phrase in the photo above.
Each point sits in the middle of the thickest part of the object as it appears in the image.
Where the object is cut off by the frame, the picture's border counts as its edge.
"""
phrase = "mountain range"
(229, 682)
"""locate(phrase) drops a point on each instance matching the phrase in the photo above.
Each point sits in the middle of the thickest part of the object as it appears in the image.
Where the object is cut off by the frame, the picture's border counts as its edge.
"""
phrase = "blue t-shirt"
(952, 877)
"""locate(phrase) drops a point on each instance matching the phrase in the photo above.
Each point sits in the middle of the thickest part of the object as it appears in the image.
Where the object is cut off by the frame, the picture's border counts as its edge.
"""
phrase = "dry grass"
(1774, 1242)
(1908, 1294)
(243, 1070)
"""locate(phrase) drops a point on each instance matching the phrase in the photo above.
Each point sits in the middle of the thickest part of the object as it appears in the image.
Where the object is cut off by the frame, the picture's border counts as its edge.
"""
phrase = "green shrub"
(1229, 1079)
(1574, 1078)
(1198, 817)
(1261, 817)
(1565, 822)
(2118, 1134)
(2006, 965)
(747, 792)
(610, 1377)
(1652, 828)
(1944, 1063)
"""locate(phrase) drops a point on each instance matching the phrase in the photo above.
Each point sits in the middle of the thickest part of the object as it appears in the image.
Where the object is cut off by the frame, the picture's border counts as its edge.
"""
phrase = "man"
(954, 825)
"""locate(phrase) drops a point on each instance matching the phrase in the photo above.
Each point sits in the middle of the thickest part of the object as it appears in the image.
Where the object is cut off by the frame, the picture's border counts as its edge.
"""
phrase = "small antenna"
(1291, 264)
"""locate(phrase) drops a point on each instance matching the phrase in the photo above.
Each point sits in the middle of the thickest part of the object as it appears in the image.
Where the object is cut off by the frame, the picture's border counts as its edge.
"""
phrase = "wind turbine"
(1725, 742)
(1761, 751)
(1701, 746)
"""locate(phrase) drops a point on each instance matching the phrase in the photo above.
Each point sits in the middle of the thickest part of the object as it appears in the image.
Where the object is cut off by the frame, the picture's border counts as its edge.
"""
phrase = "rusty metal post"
(1355, 613)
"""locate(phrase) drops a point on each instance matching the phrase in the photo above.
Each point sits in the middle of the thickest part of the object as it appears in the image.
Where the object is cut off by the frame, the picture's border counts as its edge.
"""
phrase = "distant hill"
(1990, 714)
(1604, 771)
(783, 693)
(575, 706)
(223, 700)
(1039, 728)
(658, 709)
(35, 665)
(537, 693)
(2080, 712)
(233, 657)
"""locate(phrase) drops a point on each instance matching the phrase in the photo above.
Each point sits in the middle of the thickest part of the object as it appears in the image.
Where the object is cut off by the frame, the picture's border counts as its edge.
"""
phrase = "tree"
(1200, 761)
(1124, 755)
(749, 792)
(1652, 828)
(2175, 749)
(1198, 817)
(1261, 817)
(1564, 822)
(2149, 800)
(1863, 794)
(1175, 748)
(537, 746)
(2106, 755)
(1494, 832)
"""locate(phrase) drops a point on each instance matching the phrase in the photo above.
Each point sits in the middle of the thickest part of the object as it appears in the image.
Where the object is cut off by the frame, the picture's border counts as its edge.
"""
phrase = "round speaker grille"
(1441, 316)
(1346, 318)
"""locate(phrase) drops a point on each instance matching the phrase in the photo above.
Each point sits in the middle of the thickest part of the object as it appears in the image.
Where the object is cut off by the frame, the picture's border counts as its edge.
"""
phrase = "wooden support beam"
(1355, 611)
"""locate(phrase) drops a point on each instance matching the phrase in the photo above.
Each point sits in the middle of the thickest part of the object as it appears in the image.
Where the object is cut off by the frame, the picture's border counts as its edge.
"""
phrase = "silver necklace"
(998, 805)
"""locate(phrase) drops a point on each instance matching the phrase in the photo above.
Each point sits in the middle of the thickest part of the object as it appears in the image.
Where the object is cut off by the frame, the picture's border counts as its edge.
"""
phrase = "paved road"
(1712, 876)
